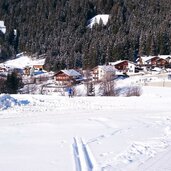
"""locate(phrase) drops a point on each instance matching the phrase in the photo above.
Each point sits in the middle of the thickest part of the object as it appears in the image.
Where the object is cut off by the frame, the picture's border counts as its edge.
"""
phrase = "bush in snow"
(133, 91)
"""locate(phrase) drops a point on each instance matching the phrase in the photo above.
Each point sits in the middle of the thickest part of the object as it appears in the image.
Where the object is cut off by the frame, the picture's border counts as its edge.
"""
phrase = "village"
(34, 75)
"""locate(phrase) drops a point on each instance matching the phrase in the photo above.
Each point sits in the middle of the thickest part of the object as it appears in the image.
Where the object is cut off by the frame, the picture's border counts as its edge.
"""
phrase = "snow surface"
(97, 18)
(2, 27)
(23, 61)
(7, 101)
(52, 132)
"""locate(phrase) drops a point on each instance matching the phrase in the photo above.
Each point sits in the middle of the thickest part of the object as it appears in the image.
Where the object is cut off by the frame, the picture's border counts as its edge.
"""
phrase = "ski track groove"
(84, 159)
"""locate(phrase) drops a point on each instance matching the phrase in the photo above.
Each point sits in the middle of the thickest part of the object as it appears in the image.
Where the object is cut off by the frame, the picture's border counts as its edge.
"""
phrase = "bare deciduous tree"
(108, 85)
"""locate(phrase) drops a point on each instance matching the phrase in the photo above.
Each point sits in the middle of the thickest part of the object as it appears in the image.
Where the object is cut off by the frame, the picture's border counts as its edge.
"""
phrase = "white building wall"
(131, 68)
(100, 73)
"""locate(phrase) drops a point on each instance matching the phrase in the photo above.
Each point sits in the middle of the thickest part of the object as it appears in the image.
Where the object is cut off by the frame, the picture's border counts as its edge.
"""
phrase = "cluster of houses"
(72, 77)
(118, 68)
(28, 70)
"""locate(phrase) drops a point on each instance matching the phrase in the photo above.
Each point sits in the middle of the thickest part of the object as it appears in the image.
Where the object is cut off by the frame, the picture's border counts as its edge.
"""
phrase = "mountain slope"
(59, 30)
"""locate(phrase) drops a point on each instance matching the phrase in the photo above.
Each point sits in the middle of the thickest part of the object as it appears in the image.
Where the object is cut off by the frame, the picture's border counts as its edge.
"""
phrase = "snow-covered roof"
(107, 68)
(120, 61)
(71, 72)
(96, 19)
(2, 27)
(116, 62)
(147, 58)
(164, 56)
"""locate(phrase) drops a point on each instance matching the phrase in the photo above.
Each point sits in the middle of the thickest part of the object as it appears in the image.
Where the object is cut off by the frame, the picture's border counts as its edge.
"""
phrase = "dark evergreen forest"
(58, 29)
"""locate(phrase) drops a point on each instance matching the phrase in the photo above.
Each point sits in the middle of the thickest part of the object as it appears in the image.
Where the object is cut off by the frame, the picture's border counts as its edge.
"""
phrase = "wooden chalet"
(152, 61)
(38, 67)
(147, 60)
(27, 70)
(166, 57)
(162, 62)
(121, 65)
(67, 77)
(124, 66)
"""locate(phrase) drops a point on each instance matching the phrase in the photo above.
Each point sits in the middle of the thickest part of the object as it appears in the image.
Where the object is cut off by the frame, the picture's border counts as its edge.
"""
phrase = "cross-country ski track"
(87, 133)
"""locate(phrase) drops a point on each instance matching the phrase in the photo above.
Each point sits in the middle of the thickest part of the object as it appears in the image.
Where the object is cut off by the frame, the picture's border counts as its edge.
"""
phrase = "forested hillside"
(58, 29)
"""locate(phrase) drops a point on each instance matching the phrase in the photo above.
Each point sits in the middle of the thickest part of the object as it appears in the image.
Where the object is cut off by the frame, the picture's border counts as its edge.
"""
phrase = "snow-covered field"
(57, 133)
(23, 61)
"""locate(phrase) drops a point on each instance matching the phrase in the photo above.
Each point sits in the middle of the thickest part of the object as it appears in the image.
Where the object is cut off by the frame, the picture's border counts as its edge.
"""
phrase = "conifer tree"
(91, 89)
(13, 83)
